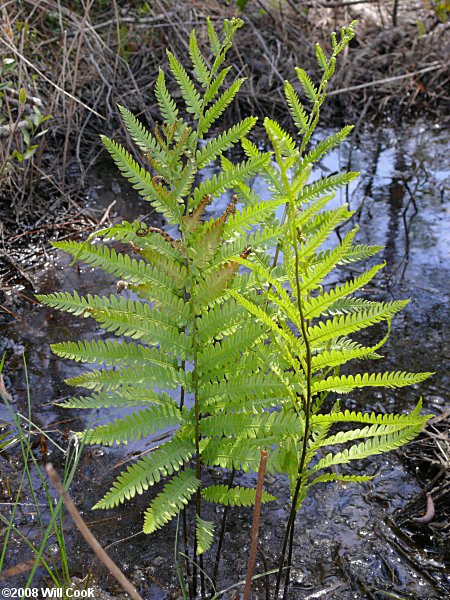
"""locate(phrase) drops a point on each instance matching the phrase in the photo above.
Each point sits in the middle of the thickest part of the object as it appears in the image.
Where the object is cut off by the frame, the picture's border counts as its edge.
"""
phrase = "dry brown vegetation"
(77, 58)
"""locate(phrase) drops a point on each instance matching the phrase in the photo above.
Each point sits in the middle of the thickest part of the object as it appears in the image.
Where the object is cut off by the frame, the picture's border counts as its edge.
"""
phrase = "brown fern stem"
(255, 524)
(222, 533)
(289, 534)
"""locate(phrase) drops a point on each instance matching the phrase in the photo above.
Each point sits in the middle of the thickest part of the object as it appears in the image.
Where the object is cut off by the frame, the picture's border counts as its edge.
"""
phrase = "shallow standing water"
(348, 545)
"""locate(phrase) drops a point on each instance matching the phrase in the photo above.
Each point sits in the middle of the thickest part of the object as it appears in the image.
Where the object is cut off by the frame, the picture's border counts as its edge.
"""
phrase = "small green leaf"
(22, 96)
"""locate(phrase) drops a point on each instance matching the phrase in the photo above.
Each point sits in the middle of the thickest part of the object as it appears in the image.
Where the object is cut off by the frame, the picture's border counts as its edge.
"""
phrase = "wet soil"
(352, 542)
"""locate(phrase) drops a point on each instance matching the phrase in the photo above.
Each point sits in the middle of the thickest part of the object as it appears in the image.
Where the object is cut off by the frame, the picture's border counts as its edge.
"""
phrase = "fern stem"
(198, 463)
(222, 532)
(289, 534)
(289, 558)
(255, 525)
(184, 515)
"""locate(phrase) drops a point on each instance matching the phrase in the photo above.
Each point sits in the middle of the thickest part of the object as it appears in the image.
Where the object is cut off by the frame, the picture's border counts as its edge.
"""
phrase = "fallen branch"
(10, 128)
(432, 67)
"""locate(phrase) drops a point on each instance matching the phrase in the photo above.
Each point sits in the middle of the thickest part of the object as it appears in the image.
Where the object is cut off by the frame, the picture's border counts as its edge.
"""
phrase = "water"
(348, 545)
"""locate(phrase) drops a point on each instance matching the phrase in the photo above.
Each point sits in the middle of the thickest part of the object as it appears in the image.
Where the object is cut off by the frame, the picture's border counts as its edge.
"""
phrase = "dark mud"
(353, 542)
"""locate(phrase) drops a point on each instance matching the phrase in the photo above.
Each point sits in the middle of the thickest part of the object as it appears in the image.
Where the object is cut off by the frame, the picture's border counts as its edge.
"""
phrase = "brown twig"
(433, 67)
(89, 537)
(429, 513)
(255, 524)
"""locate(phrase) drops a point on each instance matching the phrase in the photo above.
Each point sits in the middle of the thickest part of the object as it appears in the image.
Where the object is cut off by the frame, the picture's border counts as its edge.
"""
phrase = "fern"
(383, 443)
(234, 315)
(167, 106)
(233, 496)
(123, 397)
(137, 426)
(220, 144)
(204, 533)
(175, 495)
(308, 328)
(147, 471)
(344, 384)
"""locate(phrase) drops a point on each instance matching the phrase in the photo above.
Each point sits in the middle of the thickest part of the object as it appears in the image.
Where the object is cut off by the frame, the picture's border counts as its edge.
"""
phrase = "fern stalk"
(289, 532)
(222, 532)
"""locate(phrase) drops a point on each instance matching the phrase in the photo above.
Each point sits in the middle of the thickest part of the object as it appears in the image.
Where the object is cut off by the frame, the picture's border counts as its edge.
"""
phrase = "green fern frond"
(220, 353)
(333, 218)
(258, 240)
(280, 139)
(174, 270)
(296, 108)
(156, 373)
(327, 477)
(308, 87)
(377, 445)
(220, 320)
(124, 317)
(251, 215)
(138, 176)
(348, 305)
(166, 103)
(72, 303)
(190, 95)
(122, 398)
(215, 85)
(346, 383)
(213, 37)
(323, 147)
(111, 353)
(200, 67)
(316, 306)
(324, 185)
(248, 425)
(309, 211)
(350, 351)
(216, 146)
(174, 497)
(344, 325)
(248, 392)
(321, 57)
(204, 534)
(217, 184)
(291, 341)
(131, 232)
(147, 471)
(361, 252)
(129, 269)
(242, 454)
(140, 135)
(137, 426)
(142, 181)
(343, 437)
(233, 496)
(348, 416)
(183, 185)
(216, 109)
(245, 193)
